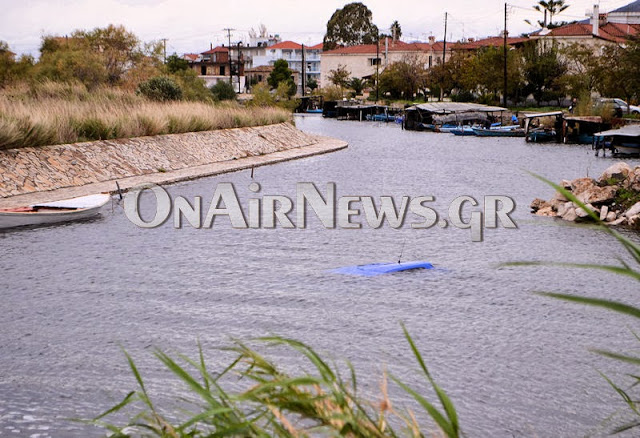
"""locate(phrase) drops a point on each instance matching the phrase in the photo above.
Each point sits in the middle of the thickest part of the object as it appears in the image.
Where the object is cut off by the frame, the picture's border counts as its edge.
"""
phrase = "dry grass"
(53, 113)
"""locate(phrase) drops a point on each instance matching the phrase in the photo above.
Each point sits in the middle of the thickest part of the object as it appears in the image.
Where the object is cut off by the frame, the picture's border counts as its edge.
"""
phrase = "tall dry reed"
(54, 113)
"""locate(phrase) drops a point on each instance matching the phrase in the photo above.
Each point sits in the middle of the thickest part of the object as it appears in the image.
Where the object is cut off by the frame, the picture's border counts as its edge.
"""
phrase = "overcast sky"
(191, 25)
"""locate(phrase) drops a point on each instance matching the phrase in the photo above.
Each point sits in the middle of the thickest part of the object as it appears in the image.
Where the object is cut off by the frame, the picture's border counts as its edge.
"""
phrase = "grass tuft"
(268, 401)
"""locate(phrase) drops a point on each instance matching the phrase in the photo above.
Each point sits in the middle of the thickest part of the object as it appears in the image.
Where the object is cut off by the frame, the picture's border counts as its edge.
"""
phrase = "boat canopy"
(589, 119)
(460, 117)
(455, 107)
(625, 131)
(551, 113)
(374, 269)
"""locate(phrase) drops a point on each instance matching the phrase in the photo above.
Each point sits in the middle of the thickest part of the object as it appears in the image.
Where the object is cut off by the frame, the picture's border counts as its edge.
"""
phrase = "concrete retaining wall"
(30, 170)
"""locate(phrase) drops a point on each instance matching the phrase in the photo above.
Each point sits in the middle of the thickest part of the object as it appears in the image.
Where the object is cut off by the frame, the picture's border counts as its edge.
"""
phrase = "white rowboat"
(53, 212)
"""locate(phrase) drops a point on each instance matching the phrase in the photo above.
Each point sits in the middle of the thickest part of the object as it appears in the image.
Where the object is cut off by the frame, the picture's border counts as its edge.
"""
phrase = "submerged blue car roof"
(374, 269)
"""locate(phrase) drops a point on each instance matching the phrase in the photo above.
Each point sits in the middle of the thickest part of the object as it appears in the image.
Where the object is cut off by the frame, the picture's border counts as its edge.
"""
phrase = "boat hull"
(50, 215)
(541, 137)
(499, 132)
(465, 130)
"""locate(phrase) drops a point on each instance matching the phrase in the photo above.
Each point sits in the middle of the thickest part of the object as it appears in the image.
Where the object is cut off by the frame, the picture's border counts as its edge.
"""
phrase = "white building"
(292, 53)
(629, 14)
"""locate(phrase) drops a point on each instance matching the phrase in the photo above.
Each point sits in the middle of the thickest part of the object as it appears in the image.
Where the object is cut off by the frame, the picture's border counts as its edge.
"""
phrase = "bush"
(463, 96)
(223, 90)
(73, 66)
(261, 96)
(193, 87)
(161, 89)
(332, 92)
(489, 99)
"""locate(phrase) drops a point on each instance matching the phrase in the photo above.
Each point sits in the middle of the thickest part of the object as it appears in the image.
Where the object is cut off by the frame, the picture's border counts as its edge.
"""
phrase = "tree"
(621, 77)
(312, 84)
(350, 26)
(111, 51)
(73, 65)
(584, 70)
(404, 78)
(484, 73)
(357, 85)
(550, 7)
(281, 73)
(260, 33)
(7, 63)
(543, 72)
(176, 64)
(340, 76)
(396, 31)
(455, 74)
(119, 48)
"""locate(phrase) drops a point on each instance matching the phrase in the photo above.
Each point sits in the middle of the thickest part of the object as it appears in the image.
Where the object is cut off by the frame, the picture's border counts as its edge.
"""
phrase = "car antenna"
(402, 249)
(119, 190)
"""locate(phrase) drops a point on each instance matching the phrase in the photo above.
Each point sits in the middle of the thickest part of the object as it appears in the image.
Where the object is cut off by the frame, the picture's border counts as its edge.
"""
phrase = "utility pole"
(229, 54)
(239, 57)
(504, 91)
(164, 42)
(304, 70)
(377, 66)
(444, 43)
(444, 51)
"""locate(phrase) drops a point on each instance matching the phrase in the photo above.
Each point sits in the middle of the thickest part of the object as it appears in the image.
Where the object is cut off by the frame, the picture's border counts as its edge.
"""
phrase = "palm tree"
(395, 29)
(553, 7)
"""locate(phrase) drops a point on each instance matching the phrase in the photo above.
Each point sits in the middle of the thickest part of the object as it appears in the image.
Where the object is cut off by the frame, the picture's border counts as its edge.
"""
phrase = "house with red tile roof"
(362, 61)
(596, 32)
(213, 66)
(472, 44)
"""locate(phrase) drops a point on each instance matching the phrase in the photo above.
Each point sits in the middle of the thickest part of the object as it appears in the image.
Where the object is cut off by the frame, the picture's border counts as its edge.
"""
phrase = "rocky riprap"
(615, 197)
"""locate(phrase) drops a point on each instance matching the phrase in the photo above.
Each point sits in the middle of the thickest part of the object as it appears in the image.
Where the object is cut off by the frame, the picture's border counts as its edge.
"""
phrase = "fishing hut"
(580, 129)
(360, 112)
(544, 127)
(428, 116)
(310, 104)
(623, 141)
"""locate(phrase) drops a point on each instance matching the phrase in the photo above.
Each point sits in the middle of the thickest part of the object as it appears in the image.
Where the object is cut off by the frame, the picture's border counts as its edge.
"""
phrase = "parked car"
(620, 107)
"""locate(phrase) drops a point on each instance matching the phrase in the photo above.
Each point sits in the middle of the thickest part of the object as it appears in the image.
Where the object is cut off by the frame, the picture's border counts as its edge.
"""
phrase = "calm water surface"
(514, 363)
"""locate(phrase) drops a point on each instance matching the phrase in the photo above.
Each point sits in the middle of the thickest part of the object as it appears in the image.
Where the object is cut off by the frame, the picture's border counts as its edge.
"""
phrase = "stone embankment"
(49, 173)
(614, 197)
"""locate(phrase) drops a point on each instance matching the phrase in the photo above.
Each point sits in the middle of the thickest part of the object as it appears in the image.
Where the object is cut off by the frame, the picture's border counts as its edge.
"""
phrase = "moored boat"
(446, 128)
(53, 212)
(463, 130)
(542, 135)
(622, 141)
(483, 132)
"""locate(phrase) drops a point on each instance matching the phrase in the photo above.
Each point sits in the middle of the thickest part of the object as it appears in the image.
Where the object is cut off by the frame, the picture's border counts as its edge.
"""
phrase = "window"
(374, 61)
